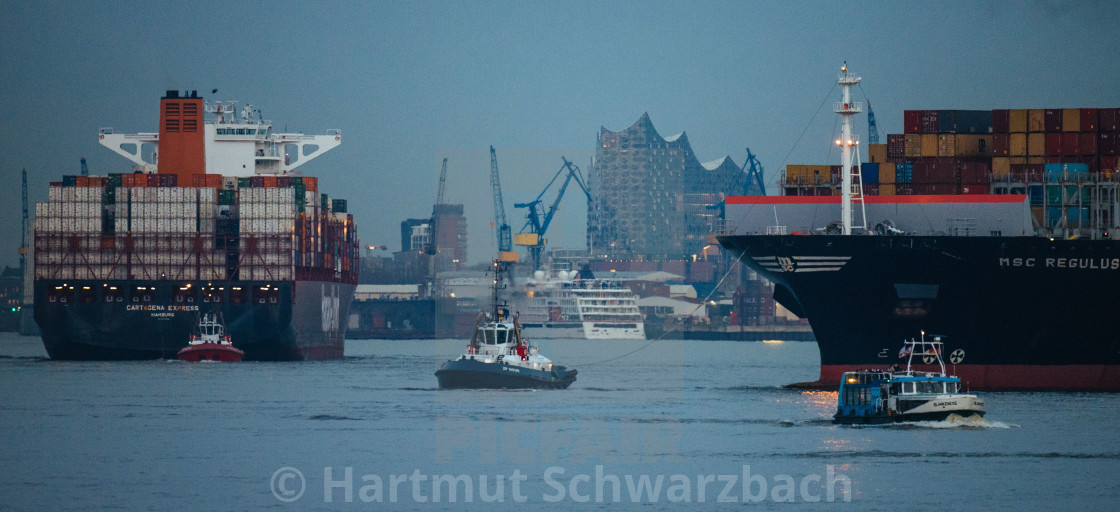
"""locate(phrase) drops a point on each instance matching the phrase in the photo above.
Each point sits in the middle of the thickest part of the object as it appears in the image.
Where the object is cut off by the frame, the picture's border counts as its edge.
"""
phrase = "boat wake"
(970, 422)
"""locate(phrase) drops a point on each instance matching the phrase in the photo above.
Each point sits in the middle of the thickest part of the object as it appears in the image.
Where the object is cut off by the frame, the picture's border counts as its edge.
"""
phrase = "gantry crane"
(533, 238)
(872, 129)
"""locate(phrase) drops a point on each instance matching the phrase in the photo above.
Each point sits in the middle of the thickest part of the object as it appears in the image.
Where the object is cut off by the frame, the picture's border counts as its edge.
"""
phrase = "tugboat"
(211, 343)
(498, 357)
(888, 396)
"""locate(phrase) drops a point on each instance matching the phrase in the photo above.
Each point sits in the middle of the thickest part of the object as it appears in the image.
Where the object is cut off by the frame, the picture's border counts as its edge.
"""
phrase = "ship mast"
(849, 162)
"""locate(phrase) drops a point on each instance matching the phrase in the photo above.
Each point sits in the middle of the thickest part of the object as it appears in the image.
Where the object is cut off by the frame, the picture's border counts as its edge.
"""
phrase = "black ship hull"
(471, 374)
(1018, 313)
(294, 320)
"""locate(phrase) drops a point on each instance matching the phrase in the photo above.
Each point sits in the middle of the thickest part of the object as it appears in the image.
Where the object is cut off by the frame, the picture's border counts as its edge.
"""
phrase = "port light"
(851, 380)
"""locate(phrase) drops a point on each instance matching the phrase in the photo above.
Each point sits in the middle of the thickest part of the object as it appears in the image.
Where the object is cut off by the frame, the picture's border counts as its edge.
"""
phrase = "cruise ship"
(575, 304)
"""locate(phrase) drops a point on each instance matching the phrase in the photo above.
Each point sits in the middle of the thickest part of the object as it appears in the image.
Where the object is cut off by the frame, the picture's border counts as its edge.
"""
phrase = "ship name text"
(1082, 263)
(159, 307)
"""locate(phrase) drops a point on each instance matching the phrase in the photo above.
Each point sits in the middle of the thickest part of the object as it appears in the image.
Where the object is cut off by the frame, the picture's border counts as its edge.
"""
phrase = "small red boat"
(210, 344)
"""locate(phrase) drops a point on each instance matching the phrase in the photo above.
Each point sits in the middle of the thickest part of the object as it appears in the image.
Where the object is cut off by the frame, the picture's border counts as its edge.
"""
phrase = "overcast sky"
(410, 83)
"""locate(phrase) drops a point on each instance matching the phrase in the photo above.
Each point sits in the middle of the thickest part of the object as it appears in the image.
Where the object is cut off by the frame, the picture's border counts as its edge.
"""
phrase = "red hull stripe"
(925, 199)
(1010, 377)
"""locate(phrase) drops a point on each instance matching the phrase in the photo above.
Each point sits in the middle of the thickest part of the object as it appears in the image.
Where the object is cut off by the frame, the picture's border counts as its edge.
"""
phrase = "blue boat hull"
(472, 374)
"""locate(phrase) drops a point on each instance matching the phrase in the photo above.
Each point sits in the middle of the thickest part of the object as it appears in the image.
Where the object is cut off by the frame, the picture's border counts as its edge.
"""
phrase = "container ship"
(214, 217)
(994, 229)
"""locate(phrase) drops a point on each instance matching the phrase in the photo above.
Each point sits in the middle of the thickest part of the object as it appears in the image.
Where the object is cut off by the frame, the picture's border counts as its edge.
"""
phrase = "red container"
(1108, 163)
(269, 181)
(1053, 119)
(903, 189)
(1089, 119)
(912, 121)
(311, 183)
(975, 172)
(1109, 119)
(168, 180)
(283, 181)
(152, 180)
(1026, 173)
(896, 145)
(977, 188)
(834, 173)
(1001, 144)
(871, 190)
(929, 121)
(926, 172)
(1087, 143)
(1053, 144)
(1071, 143)
(1001, 121)
(1106, 143)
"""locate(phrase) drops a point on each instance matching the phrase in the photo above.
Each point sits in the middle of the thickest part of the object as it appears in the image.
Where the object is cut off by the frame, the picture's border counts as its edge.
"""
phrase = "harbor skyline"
(411, 84)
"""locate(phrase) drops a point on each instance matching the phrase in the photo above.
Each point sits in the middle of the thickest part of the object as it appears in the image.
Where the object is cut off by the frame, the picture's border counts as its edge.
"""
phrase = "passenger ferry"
(888, 396)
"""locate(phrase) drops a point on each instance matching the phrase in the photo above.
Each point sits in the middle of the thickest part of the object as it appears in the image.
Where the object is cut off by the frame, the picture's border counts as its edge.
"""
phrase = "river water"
(666, 425)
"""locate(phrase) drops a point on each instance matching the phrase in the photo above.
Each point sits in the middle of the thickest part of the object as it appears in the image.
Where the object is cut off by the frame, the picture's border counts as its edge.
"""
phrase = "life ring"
(336, 137)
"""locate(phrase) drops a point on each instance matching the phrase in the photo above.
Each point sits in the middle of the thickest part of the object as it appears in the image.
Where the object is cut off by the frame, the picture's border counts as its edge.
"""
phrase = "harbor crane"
(432, 247)
(536, 228)
(505, 245)
(872, 129)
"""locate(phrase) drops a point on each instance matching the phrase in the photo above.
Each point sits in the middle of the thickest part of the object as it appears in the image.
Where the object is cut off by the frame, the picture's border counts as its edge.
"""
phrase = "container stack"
(148, 226)
(988, 151)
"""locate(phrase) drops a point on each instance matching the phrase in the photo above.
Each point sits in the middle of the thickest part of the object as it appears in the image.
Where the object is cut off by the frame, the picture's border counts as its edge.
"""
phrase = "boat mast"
(849, 163)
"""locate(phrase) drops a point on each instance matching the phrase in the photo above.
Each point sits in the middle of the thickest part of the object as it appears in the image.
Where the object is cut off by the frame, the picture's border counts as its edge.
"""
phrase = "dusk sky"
(410, 83)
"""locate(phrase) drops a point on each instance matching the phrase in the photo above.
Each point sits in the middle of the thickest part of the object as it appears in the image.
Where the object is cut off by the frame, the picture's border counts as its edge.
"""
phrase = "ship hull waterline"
(306, 322)
(1018, 313)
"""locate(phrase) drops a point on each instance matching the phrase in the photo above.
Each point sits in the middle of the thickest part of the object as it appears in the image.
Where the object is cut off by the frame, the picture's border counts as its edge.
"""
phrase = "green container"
(109, 195)
(244, 183)
(227, 197)
(114, 180)
(324, 201)
(338, 206)
(1053, 194)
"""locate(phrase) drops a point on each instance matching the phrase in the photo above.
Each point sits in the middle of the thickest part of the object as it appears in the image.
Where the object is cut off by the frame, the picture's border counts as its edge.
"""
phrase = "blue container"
(1034, 192)
(904, 172)
(869, 174)
(1053, 216)
(1065, 172)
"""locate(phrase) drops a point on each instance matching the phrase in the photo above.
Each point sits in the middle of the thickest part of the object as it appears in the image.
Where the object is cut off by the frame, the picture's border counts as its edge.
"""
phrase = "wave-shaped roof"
(645, 126)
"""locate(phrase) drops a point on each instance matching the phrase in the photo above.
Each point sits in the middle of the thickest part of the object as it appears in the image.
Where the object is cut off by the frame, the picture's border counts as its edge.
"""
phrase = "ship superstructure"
(217, 223)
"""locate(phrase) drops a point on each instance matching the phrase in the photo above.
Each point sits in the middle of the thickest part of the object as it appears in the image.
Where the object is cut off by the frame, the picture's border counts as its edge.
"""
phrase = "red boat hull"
(210, 352)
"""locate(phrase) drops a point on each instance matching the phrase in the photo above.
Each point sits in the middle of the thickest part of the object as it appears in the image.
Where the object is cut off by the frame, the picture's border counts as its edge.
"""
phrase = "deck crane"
(505, 245)
(534, 237)
(432, 246)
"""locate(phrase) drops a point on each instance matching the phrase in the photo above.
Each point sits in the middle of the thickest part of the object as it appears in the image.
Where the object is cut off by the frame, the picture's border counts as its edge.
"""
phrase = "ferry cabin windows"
(266, 295)
(238, 295)
(184, 295)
